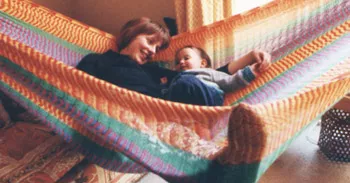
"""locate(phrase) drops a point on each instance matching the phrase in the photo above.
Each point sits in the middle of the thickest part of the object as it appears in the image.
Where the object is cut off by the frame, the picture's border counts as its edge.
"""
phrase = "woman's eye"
(150, 41)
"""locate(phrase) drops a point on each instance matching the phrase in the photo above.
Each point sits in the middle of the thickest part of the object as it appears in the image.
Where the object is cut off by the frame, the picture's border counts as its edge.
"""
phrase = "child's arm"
(230, 83)
(260, 59)
(226, 82)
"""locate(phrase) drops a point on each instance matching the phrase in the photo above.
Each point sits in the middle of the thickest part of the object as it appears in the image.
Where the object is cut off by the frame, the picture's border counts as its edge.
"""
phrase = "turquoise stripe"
(155, 147)
(268, 161)
(38, 42)
(238, 173)
(307, 77)
(288, 26)
(85, 51)
(88, 145)
(132, 134)
(48, 36)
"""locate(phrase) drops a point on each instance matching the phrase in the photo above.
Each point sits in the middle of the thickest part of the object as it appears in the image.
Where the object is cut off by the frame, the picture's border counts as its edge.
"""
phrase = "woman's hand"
(261, 61)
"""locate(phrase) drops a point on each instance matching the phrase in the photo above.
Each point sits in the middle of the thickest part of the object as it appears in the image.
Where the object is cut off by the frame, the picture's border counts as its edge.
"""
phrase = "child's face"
(189, 58)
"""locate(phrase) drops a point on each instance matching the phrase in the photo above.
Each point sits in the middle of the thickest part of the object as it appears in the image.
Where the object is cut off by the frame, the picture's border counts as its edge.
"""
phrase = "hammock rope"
(127, 131)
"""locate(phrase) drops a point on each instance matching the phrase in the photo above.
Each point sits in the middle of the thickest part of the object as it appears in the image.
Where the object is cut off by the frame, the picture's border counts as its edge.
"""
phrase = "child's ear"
(204, 63)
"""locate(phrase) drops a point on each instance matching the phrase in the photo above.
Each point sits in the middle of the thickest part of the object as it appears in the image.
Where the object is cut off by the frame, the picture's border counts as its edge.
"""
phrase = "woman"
(138, 42)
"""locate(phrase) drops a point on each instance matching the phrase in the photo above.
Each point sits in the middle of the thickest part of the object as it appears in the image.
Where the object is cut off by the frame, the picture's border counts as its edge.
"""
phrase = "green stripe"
(226, 50)
(241, 173)
(48, 36)
(254, 171)
(295, 89)
(266, 162)
(248, 173)
(78, 138)
(154, 146)
(284, 28)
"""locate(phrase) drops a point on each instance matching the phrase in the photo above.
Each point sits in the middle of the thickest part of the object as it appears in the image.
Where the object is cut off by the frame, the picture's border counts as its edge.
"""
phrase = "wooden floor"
(301, 162)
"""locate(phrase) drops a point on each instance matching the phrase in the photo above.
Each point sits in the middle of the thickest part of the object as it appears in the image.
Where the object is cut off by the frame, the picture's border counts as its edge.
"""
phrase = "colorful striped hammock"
(130, 132)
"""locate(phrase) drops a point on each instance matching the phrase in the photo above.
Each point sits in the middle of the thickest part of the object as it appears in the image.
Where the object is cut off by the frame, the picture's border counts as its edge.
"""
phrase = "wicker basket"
(334, 140)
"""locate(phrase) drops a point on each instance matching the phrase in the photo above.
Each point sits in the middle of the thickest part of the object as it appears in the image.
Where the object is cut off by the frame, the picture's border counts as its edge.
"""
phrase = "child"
(195, 61)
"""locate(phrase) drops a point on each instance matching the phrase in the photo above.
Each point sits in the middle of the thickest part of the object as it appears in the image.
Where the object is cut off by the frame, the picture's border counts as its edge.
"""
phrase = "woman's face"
(142, 48)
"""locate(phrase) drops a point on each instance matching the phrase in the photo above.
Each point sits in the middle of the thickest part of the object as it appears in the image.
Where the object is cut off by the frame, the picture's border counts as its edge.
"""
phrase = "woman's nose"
(152, 50)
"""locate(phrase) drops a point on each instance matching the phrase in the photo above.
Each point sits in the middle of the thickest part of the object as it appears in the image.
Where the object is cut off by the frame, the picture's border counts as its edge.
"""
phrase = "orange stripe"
(202, 34)
(51, 109)
(279, 121)
(52, 22)
(290, 60)
(131, 98)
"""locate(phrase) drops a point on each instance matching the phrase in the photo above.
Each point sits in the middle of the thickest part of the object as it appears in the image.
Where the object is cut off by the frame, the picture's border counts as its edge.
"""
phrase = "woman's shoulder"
(92, 60)
(104, 58)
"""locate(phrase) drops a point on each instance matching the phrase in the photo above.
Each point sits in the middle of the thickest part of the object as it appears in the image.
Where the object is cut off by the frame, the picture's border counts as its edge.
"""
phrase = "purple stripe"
(122, 167)
(309, 30)
(289, 77)
(298, 34)
(123, 142)
(301, 67)
(38, 42)
(66, 136)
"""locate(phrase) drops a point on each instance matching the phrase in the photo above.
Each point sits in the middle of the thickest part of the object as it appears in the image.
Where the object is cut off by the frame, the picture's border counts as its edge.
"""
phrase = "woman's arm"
(89, 64)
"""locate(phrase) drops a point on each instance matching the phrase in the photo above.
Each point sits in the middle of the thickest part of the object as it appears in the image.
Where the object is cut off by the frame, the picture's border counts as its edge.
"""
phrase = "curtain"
(193, 14)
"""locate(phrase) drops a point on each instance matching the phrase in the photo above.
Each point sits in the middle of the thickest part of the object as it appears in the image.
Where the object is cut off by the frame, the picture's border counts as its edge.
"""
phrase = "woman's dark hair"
(139, 26)
(203, 54)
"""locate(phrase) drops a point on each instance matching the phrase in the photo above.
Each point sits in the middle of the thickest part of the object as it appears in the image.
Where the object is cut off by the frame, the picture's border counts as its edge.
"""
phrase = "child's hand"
(261, 61)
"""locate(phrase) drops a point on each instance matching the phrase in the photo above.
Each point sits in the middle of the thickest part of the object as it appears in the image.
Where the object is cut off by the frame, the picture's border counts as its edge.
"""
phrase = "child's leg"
(186, 88)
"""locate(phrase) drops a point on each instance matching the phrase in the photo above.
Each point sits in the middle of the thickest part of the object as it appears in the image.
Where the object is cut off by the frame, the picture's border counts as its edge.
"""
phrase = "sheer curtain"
(192, 14)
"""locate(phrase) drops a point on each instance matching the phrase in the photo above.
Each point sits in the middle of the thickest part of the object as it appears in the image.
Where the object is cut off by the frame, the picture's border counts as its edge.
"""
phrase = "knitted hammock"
(129, 132)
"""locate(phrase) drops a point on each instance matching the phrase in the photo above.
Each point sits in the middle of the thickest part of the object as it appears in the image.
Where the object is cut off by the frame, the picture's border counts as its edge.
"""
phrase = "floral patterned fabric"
(86, 172)
(30, 152)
